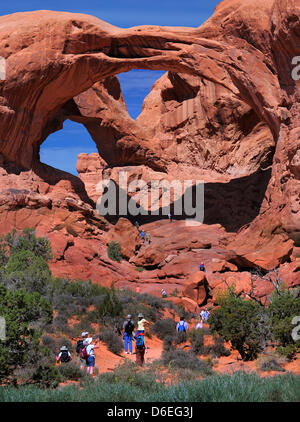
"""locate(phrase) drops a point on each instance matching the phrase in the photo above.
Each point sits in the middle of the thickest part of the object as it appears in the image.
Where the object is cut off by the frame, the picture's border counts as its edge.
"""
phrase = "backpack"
(64, 357)
(79, 346)
(140, 345)
(83, 353)
(181, 327)
(129, 327)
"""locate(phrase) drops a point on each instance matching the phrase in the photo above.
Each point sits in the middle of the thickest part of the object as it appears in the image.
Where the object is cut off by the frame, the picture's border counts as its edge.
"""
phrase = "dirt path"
(107, 361)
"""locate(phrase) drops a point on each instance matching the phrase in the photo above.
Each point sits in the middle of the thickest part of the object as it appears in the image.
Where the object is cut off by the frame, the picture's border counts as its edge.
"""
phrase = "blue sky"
(60, 150)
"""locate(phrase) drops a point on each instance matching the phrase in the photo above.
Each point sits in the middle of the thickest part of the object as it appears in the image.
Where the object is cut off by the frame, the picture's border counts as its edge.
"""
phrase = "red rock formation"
(227, 109)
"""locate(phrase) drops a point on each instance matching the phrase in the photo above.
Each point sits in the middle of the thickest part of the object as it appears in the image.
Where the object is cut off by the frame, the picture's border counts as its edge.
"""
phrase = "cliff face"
(226, 112)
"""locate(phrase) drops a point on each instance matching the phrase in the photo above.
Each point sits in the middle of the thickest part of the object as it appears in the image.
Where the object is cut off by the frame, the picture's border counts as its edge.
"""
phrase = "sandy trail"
(107, 361)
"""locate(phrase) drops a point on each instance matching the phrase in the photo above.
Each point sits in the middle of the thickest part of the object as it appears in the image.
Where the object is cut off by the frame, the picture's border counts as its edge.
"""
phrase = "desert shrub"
(27, 240)
(47, 377)
(21, 310)
(185, 360)
(130, 373)
(3, 253)
(218, 349)
(110, 305)
(140, 269)
(175, 293)
(112, 340)
(282, 309)
(168, 343)
(70, 371)
(269, 364)
(239, 321)
(197, 342)
(164, 328)
(288, 351)
(64, 341)
(180, 337)
(114, 251)
(49, 342)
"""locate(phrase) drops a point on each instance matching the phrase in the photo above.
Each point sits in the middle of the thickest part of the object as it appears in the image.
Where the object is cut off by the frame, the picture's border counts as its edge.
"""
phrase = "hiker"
(163, 293)
(182, 326)
(90, 354)
(137, 224)
(148, 236)
(170, 217)
(64, 355)
(128, 328)
(143, 235)
(202, 268)
(79, 347)
(204, 314)
(199, 325)
(140, 348)
(141, 324)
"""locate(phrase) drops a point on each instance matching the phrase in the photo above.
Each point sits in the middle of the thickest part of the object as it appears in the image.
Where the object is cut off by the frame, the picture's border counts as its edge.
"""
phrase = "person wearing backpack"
(79, 347)
(201, 267)
(128, 328)
(140, 348)
(64, 356)
(182, 326)
(88, 351)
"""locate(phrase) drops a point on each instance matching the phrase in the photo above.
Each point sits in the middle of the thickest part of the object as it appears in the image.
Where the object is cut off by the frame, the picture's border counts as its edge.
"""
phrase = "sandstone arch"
(246, 52)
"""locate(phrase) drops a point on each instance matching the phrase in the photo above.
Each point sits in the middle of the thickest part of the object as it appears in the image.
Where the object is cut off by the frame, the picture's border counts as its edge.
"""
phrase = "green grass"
(240, 387)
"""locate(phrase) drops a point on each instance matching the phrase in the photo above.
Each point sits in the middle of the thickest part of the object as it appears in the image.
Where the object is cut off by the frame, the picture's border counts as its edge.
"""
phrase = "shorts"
(90, 361)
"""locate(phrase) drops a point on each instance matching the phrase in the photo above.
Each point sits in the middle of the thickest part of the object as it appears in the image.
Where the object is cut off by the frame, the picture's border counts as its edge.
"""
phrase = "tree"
(110, 305)
(26, 270)
(21, 310)
(282, 309)
(27, 240)
(242, 322)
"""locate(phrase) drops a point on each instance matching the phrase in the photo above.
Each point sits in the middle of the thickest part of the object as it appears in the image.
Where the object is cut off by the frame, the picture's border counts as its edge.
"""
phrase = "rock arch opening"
(61, 149)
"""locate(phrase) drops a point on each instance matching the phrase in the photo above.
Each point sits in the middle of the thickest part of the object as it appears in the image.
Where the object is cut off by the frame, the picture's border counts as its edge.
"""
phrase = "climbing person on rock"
(64, 356)
(90, 360)
(80, 346)
(201, 267)
(182, 326)
(143, 235)
(128, 328)
(141, 324)
(140, 348)
(163, 293)
(170, 217)
(137, 224)
(148, 238)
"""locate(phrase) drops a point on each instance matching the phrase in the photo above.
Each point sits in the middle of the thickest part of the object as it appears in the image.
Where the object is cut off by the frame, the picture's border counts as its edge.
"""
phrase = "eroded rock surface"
(226, 112)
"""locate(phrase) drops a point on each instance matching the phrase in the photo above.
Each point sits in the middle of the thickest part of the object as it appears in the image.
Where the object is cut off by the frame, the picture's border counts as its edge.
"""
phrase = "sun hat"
(140, 315)
(84, 333)
(63, 348)
(128, 316)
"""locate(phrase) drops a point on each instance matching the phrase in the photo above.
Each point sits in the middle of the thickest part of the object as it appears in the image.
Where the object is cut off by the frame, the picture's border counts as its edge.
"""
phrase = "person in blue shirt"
(202, 268)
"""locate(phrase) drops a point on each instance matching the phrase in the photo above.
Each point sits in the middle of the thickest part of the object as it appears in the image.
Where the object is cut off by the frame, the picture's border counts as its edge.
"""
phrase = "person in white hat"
(79, 347)
(141, 324)
(90, 361)
(64, 355)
